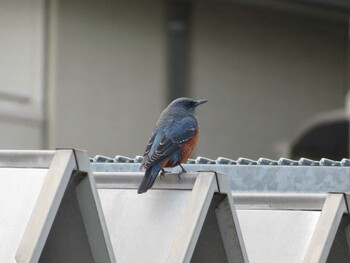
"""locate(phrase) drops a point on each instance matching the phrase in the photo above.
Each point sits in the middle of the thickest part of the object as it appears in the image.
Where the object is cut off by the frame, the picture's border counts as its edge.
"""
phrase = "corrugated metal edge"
(227, 161)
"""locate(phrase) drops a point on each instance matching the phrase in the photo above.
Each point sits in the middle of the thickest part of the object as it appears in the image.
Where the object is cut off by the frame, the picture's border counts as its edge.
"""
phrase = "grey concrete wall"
(109, 79)
(265, 74)
(21, 74)
(20, 134)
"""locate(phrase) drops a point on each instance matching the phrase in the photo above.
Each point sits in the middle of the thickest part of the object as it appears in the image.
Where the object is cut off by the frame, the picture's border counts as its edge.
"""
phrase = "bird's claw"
(181, 172)
(161, 174)
(179, 175)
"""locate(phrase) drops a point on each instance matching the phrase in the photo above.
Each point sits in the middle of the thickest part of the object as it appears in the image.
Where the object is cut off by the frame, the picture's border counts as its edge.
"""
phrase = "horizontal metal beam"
(132, 180)
(243, 200)
(258, 178)
(277, 201)
(26, 159)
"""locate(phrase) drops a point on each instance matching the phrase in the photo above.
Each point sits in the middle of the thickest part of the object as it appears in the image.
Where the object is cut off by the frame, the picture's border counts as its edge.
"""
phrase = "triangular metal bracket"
(209, 208)
(328, 242)
(67, 223)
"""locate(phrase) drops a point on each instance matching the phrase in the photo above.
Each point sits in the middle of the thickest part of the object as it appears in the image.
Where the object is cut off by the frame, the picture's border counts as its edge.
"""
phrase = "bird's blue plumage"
(175, 127)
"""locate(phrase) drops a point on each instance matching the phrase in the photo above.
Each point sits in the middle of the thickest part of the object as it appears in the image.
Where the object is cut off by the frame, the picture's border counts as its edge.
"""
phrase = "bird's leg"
(182, 169)
(161, 174)
(181, 172)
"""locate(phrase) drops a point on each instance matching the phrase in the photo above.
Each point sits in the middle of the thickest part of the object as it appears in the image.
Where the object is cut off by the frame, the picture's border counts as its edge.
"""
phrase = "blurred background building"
(96, 74)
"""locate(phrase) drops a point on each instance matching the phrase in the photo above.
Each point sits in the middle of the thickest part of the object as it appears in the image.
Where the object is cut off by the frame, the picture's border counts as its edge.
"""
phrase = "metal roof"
(247, 175)
(227, 161)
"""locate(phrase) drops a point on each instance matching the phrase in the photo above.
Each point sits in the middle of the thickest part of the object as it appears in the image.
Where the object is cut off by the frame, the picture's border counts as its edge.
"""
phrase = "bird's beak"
(199, 102)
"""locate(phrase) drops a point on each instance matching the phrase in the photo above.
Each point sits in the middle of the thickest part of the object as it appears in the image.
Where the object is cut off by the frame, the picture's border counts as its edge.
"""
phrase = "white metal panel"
(131, 241)
(19, 190)
(273, 236)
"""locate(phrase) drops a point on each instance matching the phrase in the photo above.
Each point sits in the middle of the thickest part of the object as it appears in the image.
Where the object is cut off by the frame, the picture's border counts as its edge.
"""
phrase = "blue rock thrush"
(172, 140)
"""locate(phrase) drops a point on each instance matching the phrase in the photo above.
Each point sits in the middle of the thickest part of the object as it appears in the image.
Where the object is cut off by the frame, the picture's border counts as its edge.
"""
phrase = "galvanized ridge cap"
(227, 161)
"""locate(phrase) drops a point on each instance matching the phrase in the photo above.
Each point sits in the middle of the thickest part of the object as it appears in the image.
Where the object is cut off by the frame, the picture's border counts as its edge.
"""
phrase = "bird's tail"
(149, 178)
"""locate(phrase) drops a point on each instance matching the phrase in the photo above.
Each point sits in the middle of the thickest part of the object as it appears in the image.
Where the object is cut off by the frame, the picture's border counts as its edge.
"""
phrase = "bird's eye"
(189, 104)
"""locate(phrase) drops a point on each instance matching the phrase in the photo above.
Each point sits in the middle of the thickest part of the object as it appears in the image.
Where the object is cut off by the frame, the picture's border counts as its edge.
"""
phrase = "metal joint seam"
(346, 203)
(76, 160)
(217, 182)
(75, 156)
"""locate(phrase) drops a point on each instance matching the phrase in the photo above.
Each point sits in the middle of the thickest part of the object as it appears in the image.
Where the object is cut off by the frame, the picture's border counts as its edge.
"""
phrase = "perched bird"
(172, 140)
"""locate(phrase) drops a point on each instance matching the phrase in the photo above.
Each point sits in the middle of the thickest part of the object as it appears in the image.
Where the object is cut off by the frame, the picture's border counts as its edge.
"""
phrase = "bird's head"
(186, 105)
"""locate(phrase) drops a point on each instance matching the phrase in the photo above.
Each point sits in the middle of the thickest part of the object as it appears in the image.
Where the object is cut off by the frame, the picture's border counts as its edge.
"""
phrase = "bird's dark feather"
(147, 150)
(175, 136)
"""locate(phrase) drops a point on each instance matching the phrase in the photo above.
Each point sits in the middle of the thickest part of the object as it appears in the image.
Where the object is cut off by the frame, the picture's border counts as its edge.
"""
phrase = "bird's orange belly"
(187, 148)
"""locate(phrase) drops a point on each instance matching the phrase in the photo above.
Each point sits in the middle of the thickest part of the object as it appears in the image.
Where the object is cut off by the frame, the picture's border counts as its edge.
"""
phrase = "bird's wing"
(175, 136)
(147, 150)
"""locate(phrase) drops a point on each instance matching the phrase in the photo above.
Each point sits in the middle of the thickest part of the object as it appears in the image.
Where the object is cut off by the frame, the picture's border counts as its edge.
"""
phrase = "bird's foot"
(162, 173)
(183, 171)
(179, 175)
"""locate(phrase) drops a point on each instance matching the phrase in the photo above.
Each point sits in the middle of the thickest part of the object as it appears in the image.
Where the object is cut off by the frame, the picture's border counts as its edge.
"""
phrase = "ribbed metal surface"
(227, 161)
(246, 175)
